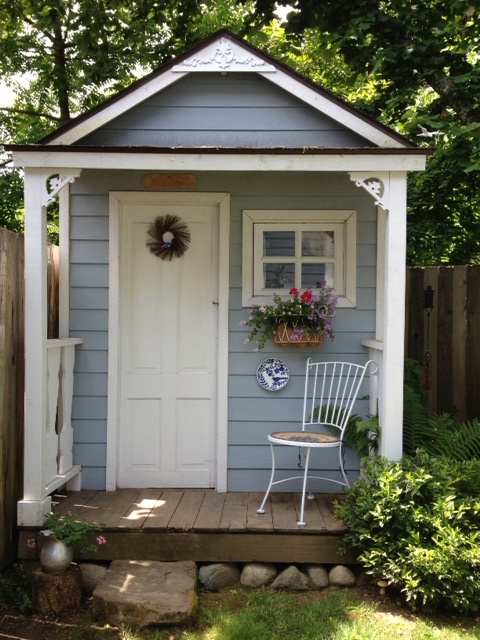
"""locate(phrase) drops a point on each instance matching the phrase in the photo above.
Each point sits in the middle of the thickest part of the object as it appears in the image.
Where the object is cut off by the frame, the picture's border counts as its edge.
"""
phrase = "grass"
(331, 615)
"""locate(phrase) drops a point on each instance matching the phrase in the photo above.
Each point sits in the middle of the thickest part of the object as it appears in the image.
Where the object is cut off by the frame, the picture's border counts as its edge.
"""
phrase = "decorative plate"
(273, 374)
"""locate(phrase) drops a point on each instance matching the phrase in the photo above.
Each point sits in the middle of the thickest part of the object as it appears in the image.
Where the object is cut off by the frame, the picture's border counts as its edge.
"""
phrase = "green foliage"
(438, 435)
(363, 435)
(73, 531)
(418, 64)
(15, 589)
(416, 523)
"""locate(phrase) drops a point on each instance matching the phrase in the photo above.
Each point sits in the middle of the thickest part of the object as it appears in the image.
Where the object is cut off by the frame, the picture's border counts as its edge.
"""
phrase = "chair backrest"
(331, 389)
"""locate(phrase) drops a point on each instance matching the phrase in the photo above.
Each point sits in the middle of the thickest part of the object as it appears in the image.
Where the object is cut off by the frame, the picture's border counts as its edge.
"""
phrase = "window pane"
(279, 243)
(318, 243)
(313, 273)
(278, 276)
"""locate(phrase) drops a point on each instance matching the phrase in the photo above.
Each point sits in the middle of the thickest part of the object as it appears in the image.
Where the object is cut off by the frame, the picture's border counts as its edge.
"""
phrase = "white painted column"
(35, 504)
(391, 384)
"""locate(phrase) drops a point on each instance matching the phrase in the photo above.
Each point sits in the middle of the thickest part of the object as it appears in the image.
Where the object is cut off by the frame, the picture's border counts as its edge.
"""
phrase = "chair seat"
(305, 438)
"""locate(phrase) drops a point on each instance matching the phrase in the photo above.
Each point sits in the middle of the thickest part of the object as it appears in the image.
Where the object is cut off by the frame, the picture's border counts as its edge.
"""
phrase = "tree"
(421, 61)
(77, 52)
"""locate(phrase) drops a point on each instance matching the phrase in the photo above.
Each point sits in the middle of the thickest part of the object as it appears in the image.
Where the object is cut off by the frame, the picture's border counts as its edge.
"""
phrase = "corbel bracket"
(56, 184)
(377, 185)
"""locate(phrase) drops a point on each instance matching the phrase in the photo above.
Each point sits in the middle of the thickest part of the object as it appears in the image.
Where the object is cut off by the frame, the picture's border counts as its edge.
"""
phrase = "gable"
(230, 110)
(225, 54)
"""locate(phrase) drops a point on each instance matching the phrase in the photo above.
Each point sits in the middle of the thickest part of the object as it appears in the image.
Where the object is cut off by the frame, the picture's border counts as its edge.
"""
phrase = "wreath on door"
(168, 237)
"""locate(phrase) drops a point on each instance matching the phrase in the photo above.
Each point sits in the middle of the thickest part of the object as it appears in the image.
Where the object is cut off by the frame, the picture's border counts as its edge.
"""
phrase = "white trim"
(391, 380)
(347, 218)
(64, 262)
(222, 200)
(34, 496)
(220, 162)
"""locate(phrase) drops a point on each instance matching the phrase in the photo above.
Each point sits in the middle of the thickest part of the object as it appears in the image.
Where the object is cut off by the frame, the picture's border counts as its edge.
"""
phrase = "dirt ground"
(80, 625)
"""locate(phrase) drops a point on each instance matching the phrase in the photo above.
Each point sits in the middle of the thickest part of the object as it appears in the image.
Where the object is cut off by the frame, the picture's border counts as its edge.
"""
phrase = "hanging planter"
(304, 319)
(168, 237)
(297, 333)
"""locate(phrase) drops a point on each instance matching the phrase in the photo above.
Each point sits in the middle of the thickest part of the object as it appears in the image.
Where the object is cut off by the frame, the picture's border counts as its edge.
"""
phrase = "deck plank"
(71, 501)
(257, 521)
(234, 516)
(140, 509)
(210, 513)
(325, 504)
(313, 517)
(187, 511)
(284, 513)
(163, 509)
(112, 512)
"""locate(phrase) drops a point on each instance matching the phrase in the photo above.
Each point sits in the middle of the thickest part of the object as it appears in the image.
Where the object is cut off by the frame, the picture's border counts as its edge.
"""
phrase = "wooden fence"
(12, 378)
(447, 340)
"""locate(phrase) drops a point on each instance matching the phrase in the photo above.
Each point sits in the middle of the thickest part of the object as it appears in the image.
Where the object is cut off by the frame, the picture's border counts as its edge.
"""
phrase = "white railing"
(58, 467)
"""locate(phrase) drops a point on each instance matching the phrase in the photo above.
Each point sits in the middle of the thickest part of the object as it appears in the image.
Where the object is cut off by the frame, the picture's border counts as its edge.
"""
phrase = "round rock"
(258, 574)
(215, 577)
(318, 576)
(342, 576)
(291, 578)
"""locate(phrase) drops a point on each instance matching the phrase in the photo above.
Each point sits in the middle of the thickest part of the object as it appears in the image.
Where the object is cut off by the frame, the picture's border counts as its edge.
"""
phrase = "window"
(285, 249)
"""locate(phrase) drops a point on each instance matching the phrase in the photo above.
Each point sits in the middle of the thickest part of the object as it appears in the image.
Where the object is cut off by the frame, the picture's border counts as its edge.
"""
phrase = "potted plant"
(64, 532)
(303, 319)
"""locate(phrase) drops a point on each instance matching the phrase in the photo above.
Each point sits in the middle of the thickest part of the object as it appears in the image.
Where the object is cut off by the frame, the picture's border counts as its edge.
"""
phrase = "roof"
(224, 52)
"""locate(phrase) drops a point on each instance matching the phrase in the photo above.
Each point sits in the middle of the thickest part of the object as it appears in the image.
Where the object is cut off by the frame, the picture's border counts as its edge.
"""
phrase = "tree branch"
(29, 112)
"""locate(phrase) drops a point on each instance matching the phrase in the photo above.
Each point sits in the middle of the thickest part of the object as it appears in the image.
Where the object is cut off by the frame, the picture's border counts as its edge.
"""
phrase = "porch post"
(32, 508)
(391, 383)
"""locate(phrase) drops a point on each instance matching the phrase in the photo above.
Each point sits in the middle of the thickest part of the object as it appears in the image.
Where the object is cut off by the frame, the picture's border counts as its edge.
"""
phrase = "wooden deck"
(156, 524)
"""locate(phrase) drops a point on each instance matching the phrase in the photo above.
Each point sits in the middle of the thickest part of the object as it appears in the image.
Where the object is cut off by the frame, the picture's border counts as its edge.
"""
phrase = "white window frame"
(345, 259)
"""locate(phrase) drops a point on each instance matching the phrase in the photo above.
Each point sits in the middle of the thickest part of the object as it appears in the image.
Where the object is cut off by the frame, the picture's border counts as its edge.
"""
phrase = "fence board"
(11, 389)
(473, 342)
(451, 337)
(12, 378)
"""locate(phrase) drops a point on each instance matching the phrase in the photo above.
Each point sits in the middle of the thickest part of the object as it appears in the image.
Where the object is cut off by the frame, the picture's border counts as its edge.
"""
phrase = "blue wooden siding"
(253, 412)
(237, 110)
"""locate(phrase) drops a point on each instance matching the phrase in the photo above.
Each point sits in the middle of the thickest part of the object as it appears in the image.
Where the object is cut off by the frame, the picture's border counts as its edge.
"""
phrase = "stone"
(318, 576)
(291, 578)
(217, 576)
(342, 576)
(91, 573)
(141, 594)
(258, 574)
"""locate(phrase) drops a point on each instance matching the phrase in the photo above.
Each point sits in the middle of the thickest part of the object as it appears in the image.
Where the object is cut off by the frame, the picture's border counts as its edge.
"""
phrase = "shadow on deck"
(205, 526)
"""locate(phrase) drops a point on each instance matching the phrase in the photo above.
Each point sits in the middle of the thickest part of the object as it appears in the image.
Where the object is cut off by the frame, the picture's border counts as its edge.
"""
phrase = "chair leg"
(302, 522)
(342, 466)
(262, 506)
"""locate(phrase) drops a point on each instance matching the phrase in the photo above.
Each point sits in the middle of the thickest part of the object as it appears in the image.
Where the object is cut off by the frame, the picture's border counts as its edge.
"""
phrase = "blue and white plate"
(273, 374)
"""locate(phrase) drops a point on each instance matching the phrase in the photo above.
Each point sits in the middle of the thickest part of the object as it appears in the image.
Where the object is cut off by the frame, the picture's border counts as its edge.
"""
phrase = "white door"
(168, 332)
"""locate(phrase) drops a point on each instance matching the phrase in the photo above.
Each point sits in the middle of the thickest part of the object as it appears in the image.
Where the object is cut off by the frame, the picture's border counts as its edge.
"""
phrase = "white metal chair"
(331, 389)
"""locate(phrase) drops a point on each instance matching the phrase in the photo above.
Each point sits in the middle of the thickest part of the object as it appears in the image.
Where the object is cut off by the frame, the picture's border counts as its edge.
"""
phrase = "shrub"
(416, 523)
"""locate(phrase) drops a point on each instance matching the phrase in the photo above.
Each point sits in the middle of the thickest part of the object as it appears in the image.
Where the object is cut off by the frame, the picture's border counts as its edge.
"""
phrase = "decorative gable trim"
(224, 55)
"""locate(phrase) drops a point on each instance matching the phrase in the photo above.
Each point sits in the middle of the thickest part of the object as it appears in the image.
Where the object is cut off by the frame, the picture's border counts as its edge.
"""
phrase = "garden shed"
(151, 383)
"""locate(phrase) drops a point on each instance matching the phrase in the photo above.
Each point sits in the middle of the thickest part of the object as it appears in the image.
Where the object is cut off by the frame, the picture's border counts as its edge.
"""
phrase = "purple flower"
(31, 543)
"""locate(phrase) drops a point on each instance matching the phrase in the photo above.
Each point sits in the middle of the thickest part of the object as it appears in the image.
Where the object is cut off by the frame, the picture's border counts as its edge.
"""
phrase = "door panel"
(167, 355)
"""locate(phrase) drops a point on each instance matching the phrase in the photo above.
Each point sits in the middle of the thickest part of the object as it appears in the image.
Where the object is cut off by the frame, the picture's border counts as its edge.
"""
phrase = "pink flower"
(294, 291)
(31, 543)
(101, 540)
